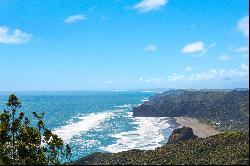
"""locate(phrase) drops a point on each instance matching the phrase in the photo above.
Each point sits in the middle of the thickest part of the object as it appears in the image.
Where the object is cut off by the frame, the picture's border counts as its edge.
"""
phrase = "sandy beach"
(200, 129)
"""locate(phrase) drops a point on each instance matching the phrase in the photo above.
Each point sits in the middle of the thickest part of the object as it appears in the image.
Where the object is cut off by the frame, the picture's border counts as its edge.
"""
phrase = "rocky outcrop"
(182, 134)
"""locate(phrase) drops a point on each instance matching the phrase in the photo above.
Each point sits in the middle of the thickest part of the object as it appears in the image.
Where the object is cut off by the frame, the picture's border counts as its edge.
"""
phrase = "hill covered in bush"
(229, 148)
(229, 110)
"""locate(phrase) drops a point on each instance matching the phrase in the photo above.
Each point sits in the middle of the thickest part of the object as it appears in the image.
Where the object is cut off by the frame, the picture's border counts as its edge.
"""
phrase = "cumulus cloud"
(221, 74)
(150, 48)
(149, 5)
(8, 36)
(196, 47)
(243, 26)
(224, 57)
(75, 18)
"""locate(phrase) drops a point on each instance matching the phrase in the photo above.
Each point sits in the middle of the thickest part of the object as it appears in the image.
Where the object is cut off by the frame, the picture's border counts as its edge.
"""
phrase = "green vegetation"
(229, 148)
(229, 110)
(20, 143)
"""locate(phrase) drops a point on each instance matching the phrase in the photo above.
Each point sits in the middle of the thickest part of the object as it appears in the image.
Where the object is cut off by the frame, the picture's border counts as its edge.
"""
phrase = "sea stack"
(182, 134)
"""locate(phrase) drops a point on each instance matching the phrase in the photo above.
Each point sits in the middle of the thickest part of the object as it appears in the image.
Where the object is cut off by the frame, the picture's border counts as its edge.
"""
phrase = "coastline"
(200, 129)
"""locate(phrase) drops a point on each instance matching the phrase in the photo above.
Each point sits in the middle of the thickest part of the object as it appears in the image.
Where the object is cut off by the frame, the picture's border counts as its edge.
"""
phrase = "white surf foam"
(119, 90)
(147, 91)
(146, 136)
(86, 123)
(130, 115)
(146, 99)
(124, 106)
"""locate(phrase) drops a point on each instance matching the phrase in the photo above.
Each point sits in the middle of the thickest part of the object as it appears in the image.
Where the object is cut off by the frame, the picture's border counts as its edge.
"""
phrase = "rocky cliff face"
(182, 134)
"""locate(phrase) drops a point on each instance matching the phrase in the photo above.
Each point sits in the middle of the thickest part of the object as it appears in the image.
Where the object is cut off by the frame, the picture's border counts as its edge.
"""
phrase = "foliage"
(229, 148)
(229, 110)
(21, 143)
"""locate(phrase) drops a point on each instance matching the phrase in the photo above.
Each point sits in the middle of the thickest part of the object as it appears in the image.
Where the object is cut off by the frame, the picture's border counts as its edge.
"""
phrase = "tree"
(22, 143)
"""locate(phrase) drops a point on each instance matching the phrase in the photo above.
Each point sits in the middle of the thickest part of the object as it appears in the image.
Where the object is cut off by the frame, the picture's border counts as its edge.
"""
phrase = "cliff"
(229, 110)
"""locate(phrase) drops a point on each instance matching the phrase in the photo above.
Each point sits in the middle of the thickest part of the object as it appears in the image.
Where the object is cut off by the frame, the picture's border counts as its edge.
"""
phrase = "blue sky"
(123, 44)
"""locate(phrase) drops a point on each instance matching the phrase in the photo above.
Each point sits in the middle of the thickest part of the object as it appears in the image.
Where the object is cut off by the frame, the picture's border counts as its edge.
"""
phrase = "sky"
(123, 44)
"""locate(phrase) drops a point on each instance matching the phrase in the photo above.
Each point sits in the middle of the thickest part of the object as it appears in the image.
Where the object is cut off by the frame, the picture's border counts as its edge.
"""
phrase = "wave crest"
(147, 135)
(86, 123)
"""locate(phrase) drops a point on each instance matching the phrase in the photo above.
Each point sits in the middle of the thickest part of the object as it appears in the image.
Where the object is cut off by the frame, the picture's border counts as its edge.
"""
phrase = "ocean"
(97, 121)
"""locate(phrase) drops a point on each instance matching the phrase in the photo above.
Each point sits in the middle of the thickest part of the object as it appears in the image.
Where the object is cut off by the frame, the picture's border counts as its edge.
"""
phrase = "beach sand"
(199, 128)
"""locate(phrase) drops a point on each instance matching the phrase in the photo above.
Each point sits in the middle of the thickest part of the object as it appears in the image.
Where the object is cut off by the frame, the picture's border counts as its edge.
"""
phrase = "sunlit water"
(98, 121)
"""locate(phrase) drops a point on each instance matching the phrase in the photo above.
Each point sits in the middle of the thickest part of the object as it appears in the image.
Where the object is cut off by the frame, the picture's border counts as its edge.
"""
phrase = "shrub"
(21, 143)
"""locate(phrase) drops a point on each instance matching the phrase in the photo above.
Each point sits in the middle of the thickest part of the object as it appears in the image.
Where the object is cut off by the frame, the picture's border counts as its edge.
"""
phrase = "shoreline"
(201, 129)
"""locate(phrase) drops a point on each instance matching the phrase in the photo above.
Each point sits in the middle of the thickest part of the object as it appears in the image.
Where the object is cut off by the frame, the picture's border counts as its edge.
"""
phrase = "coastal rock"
(182, 134)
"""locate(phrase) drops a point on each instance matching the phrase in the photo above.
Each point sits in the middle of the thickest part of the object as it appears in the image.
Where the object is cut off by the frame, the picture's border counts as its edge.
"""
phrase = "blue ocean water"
(97, 121)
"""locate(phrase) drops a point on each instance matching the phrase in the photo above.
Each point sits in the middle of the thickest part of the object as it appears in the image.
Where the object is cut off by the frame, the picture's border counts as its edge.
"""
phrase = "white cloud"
(242, 49)
(150, 48)
(149, 5)
(221, 74)
(8, 36)
(141, 79)
(176, 77)
(240, 73)
(75, 18)
(151, 80)
(224, 57)
(209, 75)
(196, 47)
(189, 68)
(109, 82)
(243, 25)
(244, 66)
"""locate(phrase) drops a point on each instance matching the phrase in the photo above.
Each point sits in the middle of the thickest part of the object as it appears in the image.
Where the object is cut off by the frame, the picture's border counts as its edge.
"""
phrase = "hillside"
(229, 109)
(222, 149)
